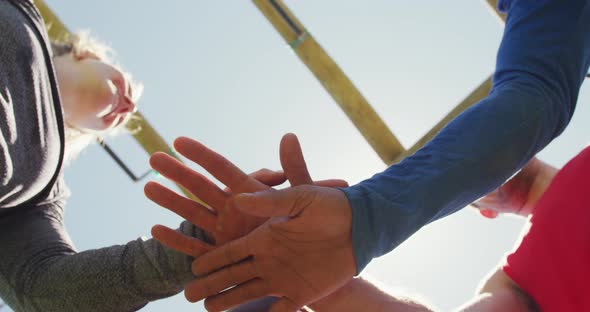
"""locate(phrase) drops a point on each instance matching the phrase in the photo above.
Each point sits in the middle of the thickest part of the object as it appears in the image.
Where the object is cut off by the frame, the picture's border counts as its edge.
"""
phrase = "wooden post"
(477, 95)
(334, 80)
(55, 28)
(345, 93)
(152, 142)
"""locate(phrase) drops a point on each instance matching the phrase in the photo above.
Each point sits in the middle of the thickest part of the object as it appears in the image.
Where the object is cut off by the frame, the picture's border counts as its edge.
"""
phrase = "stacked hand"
(220, 220)
(519, 194)
(297, 244)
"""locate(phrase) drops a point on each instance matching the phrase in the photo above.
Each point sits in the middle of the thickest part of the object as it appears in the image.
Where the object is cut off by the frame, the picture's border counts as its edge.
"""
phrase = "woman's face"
(95, 95)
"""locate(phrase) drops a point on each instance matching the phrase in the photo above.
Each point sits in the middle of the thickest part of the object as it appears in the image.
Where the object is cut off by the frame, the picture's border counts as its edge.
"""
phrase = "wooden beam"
(334, 80)
(152, 142)
(477, 95)
(346, 94)
(55, 28)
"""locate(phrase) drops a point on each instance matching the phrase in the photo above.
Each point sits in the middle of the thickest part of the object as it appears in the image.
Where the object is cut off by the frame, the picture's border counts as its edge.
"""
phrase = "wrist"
(337, 299)
(542, 180)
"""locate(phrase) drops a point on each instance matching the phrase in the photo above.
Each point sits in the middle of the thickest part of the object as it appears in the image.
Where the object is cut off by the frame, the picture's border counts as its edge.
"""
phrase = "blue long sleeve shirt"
(541, 63)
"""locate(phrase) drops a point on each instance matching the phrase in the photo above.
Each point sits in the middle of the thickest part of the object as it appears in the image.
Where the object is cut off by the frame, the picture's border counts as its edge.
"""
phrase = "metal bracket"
(122, 164)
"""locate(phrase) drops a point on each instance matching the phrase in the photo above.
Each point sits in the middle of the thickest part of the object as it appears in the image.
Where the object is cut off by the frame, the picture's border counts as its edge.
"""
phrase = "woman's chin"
(109, 121)
(96, 126)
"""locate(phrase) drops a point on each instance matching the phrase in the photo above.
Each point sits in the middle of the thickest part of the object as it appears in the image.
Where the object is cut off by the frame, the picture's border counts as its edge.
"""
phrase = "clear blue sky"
(218, 72)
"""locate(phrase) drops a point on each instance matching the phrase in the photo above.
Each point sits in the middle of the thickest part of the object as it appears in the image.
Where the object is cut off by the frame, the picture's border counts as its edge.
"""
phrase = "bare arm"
(500, 293)
(362, 295)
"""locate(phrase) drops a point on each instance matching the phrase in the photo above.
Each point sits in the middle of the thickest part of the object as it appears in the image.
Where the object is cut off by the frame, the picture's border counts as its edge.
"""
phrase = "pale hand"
(519, 194)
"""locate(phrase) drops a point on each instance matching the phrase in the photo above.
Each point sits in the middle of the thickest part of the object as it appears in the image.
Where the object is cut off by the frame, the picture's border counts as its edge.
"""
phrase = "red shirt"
(552, 263)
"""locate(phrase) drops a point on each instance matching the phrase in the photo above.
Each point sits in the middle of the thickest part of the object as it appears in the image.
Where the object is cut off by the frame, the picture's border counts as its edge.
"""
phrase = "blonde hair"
(82, 45)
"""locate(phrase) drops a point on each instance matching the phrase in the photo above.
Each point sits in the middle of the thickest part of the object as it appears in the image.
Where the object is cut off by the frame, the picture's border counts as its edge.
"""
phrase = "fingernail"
(488, 213)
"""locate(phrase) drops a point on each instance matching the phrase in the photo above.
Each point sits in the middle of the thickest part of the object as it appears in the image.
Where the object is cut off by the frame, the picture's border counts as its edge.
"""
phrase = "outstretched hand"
(208, 219)
(222, 220)
(213, 219)
(303, 253)
(519, 194)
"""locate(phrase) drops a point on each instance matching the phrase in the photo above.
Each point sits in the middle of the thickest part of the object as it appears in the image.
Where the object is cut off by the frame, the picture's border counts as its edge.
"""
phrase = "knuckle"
(228, 252)
(265, 171)
(251, 268)
(305, 197)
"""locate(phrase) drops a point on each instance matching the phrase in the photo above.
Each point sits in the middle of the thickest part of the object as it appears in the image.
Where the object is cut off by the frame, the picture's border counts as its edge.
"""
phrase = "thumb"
(288, 202)
(292, 161)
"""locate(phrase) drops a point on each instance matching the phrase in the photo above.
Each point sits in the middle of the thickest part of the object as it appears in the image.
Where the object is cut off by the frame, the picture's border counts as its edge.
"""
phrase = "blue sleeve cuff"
(362, 242)
(370, 238)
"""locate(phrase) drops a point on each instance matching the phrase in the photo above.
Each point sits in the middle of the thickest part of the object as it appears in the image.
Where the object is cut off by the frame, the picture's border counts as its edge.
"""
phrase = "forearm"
(500, 293)
(450, 172)
(503, 300)
(117, 278)
(41, 271)
(361, 295)
(536, 83)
